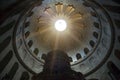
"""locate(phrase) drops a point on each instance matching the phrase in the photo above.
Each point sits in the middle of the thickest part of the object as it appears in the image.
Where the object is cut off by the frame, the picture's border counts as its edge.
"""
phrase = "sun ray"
(56, 42)
(79, 25)
(40, 32)
(71, 35)
(44, 30)
(43, 20)
(76, 17)
(59, 8)
(69, 9)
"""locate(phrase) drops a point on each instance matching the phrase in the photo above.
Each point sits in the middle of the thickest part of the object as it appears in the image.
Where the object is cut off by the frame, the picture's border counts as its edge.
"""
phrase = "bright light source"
(60, 25)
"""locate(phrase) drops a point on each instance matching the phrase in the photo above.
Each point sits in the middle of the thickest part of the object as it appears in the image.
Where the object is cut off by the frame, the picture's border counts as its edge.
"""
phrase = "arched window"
(96, 24)
(30, 43)
(4, 44)
(27, 34)
(95, 34)
(70, 59)
(5, 60)
(78, 55)
(86, 50)
(43, 56)
(6, 27)
(13, 71)
(36, 51)
(92, 43)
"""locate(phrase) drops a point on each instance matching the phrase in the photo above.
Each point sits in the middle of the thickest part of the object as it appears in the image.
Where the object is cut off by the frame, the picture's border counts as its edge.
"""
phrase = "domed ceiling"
(87, 37)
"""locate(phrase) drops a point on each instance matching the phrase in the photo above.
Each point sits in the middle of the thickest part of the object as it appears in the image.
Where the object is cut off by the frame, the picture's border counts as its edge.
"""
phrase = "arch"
(78, 56)
(92, 43)
(13, 70)
(5, 61)
(27, 34)
(43, 56)
(6, 27)
(70, 59)
(86, 50)
(95, 34)
(36, 51)
(96, 24)
(5, 43)
(30, 43)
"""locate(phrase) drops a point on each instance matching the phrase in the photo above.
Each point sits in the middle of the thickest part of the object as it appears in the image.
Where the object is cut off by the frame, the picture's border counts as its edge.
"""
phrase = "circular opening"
(78, 56)
(60, 25)
(96, 25)
(92, 43)
(36, 51)
(95, 34)
(86, 50)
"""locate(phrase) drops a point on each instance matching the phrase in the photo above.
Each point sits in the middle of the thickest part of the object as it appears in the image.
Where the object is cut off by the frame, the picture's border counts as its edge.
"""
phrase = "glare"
(60, 25)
